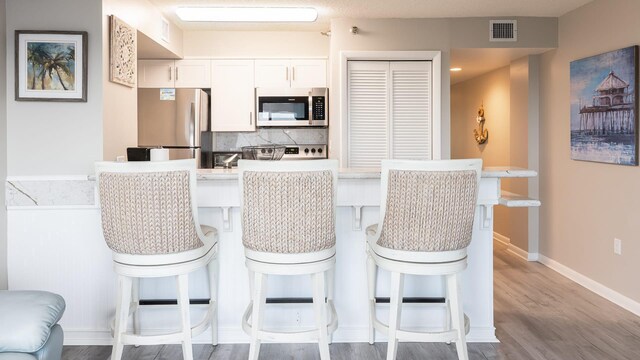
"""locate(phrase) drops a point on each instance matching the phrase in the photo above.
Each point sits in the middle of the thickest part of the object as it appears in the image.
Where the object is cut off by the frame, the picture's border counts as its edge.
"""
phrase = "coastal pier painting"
(604, 100)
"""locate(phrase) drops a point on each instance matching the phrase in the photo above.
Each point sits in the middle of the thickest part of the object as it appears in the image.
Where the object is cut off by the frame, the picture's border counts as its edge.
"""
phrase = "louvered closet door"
(368, 108)
(389, 106)
(410, 110)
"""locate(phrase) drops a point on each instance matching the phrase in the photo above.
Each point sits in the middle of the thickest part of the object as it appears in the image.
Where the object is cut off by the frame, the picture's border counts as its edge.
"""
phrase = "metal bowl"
(263, 152)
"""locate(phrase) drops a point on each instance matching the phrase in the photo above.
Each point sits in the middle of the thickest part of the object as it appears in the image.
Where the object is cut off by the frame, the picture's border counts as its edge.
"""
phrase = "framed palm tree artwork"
(51, 65)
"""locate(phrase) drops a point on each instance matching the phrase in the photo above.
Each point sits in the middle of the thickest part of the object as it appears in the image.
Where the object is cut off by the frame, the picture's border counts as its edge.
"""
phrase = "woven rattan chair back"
(429, 210)
(288, 212)
(147, 213)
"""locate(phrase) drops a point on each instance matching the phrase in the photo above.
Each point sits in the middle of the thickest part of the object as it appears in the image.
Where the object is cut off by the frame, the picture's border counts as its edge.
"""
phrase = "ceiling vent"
(503, 30)
(164, 34)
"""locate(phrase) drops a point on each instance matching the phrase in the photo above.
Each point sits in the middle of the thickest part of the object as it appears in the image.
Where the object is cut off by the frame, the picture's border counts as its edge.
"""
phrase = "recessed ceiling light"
(456, 69)
(247, 14)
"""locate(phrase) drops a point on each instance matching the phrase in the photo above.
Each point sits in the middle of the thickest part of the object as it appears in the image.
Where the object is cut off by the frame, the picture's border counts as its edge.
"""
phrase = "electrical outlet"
(617, 246)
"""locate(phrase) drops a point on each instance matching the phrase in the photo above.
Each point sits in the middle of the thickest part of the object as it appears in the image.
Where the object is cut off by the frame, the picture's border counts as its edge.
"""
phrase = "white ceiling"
(328, 9)
(474, 62)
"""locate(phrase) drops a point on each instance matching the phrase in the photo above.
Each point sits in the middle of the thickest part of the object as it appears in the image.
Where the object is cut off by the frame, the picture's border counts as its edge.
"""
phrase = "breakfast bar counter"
(55, 244)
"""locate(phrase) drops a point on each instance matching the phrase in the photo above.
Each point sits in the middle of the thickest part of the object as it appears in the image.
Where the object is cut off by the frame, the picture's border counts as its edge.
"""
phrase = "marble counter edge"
(79, 190)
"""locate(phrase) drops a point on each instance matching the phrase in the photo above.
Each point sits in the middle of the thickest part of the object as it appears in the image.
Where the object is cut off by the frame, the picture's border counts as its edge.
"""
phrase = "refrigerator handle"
(194, 118)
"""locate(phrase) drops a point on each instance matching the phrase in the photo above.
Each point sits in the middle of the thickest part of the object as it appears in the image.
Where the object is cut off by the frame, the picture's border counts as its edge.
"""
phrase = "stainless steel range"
(291, 152)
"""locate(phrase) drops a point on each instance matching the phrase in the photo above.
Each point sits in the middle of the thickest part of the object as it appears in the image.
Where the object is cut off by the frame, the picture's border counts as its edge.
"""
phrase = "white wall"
(55, 137)
(3, 147)
(249, 44)
(146, 18)
(585, 205)
(385, 35)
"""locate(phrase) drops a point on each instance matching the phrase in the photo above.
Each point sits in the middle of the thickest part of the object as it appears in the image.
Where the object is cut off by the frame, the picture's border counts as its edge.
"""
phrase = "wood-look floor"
(538, 315)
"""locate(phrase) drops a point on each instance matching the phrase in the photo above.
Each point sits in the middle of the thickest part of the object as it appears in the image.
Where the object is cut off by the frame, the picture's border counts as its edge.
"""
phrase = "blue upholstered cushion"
(26, 318)
(17, 356)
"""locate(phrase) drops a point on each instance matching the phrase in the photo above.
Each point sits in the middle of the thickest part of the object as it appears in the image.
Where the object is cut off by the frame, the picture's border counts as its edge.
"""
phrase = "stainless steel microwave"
(292, 107)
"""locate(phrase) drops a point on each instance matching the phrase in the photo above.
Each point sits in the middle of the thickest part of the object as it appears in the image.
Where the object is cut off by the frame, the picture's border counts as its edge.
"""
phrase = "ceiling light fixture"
(455, 69)
(247, 14)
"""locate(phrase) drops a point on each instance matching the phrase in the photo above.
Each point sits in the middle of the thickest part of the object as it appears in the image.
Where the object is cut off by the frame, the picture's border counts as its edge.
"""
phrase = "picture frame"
(122, 52)
(51, 65)
(604, 107)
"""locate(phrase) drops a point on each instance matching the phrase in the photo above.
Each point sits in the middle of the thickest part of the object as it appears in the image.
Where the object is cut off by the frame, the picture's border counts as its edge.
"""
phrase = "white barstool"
(150, 222)
(288, 228)
(427, 211)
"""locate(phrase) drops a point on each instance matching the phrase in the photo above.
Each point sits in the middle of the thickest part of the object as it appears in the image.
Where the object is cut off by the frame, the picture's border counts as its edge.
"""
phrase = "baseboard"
(237, 336)
(514, 250)
(592, 285)
(501, 238)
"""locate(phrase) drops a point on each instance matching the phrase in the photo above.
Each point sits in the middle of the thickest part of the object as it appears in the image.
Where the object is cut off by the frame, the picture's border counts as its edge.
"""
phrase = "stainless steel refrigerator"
(175, 119)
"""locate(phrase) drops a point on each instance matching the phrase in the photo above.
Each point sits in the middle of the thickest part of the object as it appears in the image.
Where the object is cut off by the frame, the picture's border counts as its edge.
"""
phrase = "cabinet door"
(193, 73)
(232, 95)
(272, 73)
(308, 73)
(155, 74)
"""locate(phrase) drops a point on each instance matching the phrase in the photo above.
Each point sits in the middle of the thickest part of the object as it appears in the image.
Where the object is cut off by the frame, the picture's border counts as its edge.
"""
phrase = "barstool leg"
(331, 273)
(395, 310)
(135, 295)
(321, 314)
(122, 315)
(183, 304)
(213, 293)
(257, 313)
(371, 277)
(447, 315)
(457, 315)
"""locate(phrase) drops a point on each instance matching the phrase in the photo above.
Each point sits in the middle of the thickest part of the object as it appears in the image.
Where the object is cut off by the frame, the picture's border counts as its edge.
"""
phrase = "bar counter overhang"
(55, 244)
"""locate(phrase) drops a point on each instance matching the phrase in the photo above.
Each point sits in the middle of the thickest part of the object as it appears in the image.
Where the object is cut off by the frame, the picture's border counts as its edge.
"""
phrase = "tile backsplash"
(234, 141)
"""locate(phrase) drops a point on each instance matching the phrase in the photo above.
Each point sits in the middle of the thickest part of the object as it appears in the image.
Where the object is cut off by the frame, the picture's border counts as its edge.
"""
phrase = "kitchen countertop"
(373, 173)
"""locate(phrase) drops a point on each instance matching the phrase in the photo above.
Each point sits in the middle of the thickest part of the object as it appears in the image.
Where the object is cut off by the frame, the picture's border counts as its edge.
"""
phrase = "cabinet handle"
(250, 117)
(286, 73)
(176, 73)
(293, 73)
(170, 78)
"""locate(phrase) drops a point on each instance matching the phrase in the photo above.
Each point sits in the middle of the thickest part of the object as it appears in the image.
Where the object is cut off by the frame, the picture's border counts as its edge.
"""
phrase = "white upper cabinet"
(155, 73)
(193, 73)
(178, 73)
(285, 73)
(232, 95)
(272, 73)
(308, 73)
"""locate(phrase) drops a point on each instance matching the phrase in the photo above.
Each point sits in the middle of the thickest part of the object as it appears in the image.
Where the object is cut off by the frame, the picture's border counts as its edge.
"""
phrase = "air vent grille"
(165, 36)
(503, 30)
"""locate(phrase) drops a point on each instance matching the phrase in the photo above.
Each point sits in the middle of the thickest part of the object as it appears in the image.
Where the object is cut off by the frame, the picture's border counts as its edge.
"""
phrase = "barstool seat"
(150, 222)
(288, 228)
(426, 215)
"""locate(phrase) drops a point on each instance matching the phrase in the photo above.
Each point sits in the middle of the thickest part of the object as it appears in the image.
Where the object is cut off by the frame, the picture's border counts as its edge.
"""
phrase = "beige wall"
(492, 90)
(423, 34)
(533, 32)
(586, 205)
(3, 147)
(518, 148)
(250, 44)
(55, 138)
